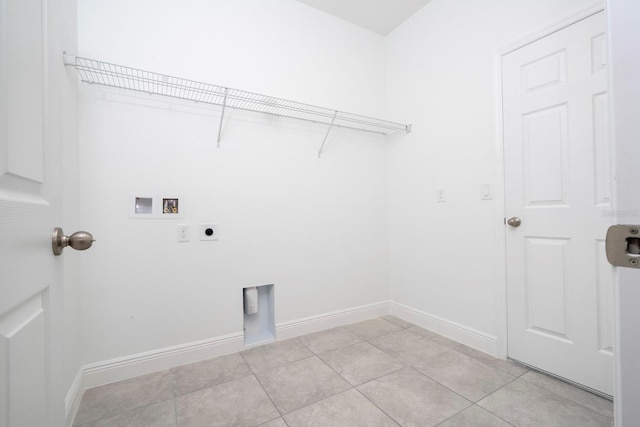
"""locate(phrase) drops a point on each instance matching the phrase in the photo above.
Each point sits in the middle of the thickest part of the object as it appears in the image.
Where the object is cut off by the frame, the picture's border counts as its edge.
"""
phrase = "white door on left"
(30, 190)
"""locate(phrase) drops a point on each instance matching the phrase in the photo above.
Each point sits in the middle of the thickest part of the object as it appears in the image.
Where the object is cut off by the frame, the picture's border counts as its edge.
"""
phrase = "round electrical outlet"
(209, 231)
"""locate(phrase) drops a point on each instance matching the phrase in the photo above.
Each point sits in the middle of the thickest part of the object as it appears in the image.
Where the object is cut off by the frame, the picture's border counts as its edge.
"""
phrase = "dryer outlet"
(209, 231)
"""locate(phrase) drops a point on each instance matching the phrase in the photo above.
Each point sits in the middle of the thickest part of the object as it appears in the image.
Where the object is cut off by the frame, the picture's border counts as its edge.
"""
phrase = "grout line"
(478, 406)
(175, 412)
(439, 383)
(173, 394)
(262, 385)
(204, 387)
(562, 397)
(453, 415)
(122, 413)
(563, 381)
(374, 404)
(343, 329)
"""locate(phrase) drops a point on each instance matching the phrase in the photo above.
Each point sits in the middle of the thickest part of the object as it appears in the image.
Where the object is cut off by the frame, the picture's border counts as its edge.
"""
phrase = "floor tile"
(160, 414)
(301, 383)
(346, 409)
(524, 404)
(408, 347)
(372, 328)
(276, 354)
(403, 374)
(278, 422)
(584, 398)
(474, 416)
(397, 321)
(504, 365)
(207, 373)
(241, 402)
(464, 375)
(434, 337)
(360, 362)
(113, 399)
(419, 359)
(412, 399)
(332, 339)
(402, 340)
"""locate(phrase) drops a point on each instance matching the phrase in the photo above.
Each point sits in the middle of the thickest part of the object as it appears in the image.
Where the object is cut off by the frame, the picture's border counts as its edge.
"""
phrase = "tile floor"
(380, 372)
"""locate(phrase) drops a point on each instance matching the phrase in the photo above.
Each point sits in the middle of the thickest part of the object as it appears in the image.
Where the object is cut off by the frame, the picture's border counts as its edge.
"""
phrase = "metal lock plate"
(623, 245)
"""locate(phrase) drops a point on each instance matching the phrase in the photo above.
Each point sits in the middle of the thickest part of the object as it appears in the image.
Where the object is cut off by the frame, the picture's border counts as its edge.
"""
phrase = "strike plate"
(623, 245)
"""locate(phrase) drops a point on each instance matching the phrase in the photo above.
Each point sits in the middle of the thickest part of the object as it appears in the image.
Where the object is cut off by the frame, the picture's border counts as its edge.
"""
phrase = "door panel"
(546, 288)
(30, 190)
(558, 182)
(602, 149)
(544, 72)
(23, 77)
(604, 286)
(23, 351)
(545, 145)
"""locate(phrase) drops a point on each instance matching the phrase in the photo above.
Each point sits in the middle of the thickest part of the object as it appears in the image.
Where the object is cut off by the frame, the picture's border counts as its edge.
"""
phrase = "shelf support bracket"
(68, 60)
(326, 135)
(224, 106)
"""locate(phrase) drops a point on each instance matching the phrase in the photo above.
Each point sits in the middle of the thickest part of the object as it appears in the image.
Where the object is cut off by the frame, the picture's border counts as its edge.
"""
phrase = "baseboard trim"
(73, 397)
(455, 331)
(109, 371)
(308, 325)
(122, 368)
(101, 373)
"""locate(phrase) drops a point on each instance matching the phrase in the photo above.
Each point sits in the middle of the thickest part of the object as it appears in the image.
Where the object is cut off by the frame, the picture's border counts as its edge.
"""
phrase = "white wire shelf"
(119, 76)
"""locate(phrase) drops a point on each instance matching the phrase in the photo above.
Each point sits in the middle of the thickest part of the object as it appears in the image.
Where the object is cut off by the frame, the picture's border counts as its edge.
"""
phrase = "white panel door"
(558, 182)
(30, 276)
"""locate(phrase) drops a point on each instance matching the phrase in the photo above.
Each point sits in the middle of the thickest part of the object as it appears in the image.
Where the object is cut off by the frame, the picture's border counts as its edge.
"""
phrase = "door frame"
(500, 178)
(625, 100)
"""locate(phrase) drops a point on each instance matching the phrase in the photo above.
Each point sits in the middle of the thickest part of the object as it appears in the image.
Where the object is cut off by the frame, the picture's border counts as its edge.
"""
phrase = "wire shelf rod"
(326, 135)
(119, 76)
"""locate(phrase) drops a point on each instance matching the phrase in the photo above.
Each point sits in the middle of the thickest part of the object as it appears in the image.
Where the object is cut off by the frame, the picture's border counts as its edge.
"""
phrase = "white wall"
(440, 77)
(358, 226)
(316, 228)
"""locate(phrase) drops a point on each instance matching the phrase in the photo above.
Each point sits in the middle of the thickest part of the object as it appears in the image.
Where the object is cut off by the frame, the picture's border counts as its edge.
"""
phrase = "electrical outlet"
(209, 231)
(440, 195)
(183, 232)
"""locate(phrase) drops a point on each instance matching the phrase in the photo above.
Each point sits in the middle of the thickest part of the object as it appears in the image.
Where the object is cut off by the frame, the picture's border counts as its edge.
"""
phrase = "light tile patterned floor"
(380, 372)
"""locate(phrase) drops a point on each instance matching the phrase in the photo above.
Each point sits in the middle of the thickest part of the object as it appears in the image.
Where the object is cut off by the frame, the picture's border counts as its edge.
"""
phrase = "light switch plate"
(486, 192)
(209, 231)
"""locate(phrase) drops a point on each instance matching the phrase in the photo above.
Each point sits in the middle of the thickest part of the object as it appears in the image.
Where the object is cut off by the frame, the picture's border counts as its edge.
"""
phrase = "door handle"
(514, 222)
(80, 240)
(623, 245)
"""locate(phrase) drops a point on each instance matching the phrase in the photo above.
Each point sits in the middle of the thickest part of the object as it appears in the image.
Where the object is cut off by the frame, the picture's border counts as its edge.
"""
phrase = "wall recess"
(145, 205)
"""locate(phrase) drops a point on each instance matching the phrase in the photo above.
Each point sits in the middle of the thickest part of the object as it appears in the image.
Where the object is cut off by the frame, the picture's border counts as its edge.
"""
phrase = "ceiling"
(380, 16)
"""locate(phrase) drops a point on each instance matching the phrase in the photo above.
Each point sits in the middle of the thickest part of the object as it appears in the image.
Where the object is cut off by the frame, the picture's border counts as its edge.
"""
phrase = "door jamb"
(500, 179)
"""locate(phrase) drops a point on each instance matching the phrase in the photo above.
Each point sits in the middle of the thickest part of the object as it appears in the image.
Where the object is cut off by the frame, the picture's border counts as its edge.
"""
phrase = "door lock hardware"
(514, 222)
(80, 240)
(623, 246)
(633, 245)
